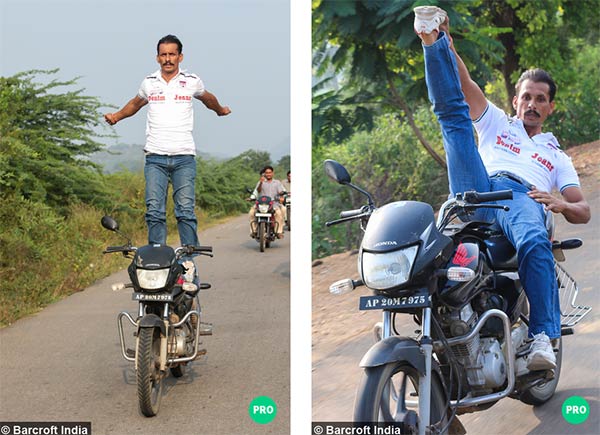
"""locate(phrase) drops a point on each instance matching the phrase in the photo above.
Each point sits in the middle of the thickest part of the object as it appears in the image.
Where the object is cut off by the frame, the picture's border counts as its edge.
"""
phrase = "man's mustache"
(532, 112)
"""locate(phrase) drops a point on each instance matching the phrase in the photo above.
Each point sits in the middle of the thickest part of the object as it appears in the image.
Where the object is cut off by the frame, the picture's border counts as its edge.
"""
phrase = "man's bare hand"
(110, 118)
(224, 111)
(551, 203)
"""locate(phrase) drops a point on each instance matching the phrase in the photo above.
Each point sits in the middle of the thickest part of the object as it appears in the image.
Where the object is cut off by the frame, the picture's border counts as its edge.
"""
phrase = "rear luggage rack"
(571, 314)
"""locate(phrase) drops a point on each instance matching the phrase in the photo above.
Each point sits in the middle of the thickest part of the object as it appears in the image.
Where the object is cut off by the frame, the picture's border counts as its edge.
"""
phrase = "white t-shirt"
(504, 145)
(170, 119)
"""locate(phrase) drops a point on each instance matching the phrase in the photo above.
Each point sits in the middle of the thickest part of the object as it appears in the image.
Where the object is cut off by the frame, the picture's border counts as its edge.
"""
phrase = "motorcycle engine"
(177, 343)
(482, 357)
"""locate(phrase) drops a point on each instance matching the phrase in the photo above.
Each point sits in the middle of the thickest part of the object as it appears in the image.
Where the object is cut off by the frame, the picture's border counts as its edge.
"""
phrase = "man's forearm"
(473, 94)
(130, 109)
(211, 102)
(577, 212)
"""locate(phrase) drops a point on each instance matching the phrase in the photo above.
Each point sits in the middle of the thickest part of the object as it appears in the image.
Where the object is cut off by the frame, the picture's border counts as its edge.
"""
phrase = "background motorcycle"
(459, 281)
(264, 225)
(167, 326)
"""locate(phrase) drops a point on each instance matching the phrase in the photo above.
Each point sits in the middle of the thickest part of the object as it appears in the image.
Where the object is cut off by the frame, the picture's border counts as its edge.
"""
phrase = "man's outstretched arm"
(211, 102)
(130, 109)
(474, 96)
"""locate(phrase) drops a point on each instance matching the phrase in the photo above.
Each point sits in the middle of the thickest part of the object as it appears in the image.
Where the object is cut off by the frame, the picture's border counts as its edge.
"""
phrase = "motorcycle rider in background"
(268, 186)
(513, 154)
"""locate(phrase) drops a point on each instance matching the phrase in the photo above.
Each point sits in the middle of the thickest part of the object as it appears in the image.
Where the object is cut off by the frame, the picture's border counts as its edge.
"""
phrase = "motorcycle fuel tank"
(404, 223)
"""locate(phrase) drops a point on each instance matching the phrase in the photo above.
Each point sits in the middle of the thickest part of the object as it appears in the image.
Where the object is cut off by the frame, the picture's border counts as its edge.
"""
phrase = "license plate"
(267, 215)
(386, 303)
(149, 297)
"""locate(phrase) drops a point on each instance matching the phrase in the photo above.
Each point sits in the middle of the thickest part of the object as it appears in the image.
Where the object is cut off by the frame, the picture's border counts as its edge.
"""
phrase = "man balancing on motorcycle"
(170, 149)
(513, 154)
(268, 186)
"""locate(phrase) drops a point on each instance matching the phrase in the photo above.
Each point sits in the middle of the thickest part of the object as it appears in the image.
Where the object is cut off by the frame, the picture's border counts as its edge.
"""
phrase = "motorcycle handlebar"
(479, 197)
(112, 249)
(203, 250)
(350, 213)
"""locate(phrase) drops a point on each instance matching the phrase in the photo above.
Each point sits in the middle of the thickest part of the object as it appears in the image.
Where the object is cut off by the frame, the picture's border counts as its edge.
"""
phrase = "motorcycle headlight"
(389, 269)
(152, 279)
(263, 208)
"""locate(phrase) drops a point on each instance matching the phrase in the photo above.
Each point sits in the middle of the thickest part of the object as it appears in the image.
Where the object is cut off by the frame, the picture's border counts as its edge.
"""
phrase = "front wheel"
(388, 394)
(262, 236)
(149, 377)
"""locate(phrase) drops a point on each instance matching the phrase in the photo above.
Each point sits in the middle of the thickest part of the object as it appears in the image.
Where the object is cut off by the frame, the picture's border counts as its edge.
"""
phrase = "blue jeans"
(524, 224)
(181, 172)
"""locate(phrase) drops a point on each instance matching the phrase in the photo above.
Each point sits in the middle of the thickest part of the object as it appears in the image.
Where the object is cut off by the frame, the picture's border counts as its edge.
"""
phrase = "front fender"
(152, 321)
(394, 349)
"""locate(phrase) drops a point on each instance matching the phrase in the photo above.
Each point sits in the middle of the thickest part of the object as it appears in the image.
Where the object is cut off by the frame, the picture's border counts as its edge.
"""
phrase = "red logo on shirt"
(544, 162)
(183, 98)
(156, 98)
(508, 146)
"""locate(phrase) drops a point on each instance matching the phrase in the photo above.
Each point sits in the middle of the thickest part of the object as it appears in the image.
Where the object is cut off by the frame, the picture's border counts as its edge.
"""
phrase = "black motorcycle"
(167, 328)
(264, 227)
(459, 282)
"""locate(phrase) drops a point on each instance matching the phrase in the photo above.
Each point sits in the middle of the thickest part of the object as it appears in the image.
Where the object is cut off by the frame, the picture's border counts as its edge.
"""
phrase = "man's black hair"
(537, 75)
(267, 167)
(288, 172)
(170, 39)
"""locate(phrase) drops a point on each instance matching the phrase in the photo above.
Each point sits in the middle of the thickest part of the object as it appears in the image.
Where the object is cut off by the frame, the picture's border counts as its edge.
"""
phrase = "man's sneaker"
(428, 18)
(541, 356)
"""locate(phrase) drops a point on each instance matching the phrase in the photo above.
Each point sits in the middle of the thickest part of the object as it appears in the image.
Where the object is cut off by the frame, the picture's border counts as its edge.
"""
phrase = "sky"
(240, 49)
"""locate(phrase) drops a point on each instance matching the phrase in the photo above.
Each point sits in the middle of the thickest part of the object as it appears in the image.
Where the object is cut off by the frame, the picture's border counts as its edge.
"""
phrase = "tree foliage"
(387, 162)
(368, 60)
(45, 137)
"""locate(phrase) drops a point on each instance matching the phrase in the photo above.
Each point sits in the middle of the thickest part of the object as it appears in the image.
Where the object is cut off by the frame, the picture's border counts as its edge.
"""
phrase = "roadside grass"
(52, 257)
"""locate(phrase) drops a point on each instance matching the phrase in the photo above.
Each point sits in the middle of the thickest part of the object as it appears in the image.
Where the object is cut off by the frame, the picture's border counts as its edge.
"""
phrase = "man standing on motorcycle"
(272, 188)
(170, 149)
(513, 154)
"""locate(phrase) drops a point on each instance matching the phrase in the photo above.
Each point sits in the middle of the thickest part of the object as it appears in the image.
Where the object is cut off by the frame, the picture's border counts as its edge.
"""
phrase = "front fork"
(425, 380)
(384, 330)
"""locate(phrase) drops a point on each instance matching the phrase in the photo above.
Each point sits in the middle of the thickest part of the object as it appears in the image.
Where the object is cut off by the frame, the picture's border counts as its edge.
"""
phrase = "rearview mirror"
(337, 172)
(109, 223)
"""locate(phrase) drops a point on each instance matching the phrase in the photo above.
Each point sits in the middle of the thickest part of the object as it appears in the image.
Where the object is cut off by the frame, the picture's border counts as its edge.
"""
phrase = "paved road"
(335, 362)
(64, 364)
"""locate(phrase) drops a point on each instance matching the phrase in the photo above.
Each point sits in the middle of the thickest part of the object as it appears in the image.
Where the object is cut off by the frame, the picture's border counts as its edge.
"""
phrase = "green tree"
(45, 137)
(254, 160)
(372, 158)
(368, 60)
(373, 48)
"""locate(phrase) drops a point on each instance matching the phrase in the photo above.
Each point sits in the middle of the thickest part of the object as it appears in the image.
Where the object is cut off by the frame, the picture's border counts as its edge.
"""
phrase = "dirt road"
(342, 334)
(64, 363)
